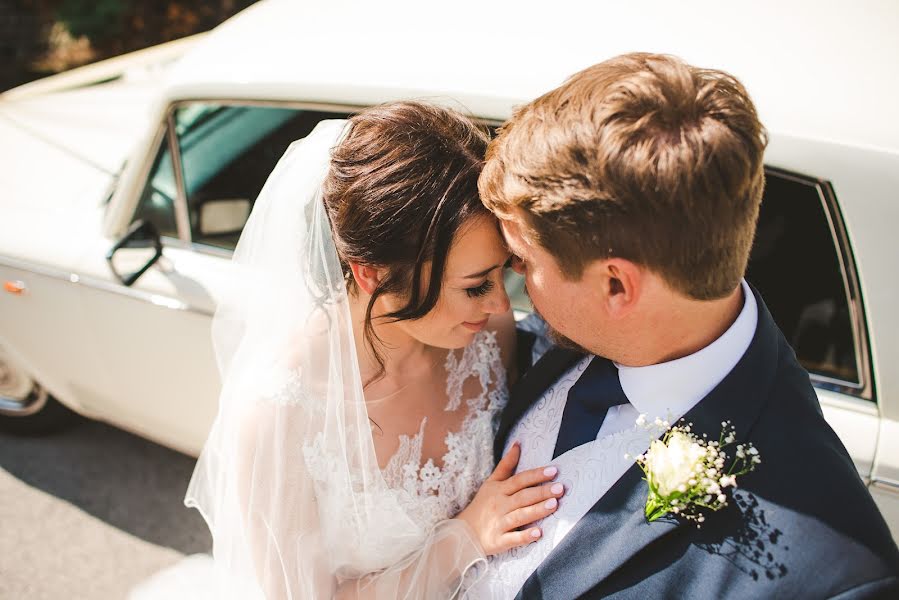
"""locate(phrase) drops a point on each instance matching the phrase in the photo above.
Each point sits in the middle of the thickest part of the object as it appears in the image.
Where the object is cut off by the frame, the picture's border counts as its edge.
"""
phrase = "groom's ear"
(621, 282)
(366, 277)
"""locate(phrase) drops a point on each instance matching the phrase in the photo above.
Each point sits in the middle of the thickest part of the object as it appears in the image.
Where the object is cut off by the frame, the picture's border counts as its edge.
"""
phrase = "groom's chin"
(560, 340)
(563, 342)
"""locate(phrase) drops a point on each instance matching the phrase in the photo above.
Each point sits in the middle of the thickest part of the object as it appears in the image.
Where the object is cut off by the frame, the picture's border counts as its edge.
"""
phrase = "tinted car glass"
(227, 153)
(795, 265)
(157, 202)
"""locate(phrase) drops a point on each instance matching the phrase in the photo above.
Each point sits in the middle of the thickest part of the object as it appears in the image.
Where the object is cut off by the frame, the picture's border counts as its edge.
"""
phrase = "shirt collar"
(669, 390)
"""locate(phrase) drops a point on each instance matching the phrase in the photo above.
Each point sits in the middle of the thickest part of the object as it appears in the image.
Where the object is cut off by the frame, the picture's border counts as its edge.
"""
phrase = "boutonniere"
(688, 474)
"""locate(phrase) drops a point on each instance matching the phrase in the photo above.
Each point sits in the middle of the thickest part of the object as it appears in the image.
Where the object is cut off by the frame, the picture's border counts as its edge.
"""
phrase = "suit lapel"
(615, 529)
(529, 388)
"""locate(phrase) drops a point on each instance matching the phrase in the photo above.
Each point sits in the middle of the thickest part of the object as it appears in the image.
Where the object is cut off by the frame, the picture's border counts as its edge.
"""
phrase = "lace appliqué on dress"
(290, 390)
(432, 493)
(427, 493)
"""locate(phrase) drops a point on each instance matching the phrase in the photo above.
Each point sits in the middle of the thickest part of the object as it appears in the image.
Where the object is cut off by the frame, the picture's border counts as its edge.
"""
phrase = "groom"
(630, 196)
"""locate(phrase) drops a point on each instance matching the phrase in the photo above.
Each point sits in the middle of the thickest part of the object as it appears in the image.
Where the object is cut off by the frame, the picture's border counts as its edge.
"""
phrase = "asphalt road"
(90, 512)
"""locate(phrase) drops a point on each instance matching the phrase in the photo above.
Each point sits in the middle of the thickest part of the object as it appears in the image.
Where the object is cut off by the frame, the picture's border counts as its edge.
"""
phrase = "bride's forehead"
(477, 243)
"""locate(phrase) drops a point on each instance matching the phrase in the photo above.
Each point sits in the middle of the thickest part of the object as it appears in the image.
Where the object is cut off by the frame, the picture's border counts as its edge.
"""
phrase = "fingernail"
(550, 471)
(516, 443)
(557, 488)
(551, 503)
(535, 533)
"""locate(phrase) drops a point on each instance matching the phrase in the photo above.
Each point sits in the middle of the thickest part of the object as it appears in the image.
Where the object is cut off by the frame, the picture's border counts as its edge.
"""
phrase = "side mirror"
(222, 216)
(137, 251)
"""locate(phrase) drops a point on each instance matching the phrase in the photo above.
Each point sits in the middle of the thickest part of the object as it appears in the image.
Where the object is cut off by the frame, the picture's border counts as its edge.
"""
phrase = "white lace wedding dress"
(429, 491)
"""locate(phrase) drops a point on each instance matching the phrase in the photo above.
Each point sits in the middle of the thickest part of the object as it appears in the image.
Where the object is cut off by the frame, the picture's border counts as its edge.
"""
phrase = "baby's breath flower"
(686, 473)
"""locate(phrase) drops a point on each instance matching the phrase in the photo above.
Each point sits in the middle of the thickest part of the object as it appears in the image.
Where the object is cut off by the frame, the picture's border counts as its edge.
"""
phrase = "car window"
(157, 202)
(227, 152)
(796, 266)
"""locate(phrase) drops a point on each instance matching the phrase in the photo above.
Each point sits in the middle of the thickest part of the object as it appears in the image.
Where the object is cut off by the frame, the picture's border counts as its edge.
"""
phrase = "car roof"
(814, 73)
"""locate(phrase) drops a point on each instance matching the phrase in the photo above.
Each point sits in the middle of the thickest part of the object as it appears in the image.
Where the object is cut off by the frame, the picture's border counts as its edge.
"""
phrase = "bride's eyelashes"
(481, 290)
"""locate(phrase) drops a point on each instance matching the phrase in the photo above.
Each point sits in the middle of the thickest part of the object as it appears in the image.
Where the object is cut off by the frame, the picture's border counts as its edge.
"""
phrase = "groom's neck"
(683, 327)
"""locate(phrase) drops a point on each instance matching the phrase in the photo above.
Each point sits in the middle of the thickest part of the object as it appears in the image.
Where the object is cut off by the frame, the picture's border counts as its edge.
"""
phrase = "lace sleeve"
(294, 523)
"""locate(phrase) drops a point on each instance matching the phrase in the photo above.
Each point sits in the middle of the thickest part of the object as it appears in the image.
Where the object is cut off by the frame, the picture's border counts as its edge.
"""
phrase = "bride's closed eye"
(481, 290)
(487, 286)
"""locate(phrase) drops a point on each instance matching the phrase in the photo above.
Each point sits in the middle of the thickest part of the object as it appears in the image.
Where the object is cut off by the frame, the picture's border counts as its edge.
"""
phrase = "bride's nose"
(497, 302)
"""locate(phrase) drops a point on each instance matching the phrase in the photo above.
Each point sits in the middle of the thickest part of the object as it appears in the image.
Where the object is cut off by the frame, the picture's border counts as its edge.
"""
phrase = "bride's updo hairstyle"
(401, 184)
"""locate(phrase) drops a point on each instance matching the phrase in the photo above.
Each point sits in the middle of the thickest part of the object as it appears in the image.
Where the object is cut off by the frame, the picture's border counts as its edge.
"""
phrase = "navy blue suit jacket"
(802, 525)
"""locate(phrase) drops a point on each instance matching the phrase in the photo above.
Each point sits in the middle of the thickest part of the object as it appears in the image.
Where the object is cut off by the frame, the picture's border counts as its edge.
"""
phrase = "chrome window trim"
(886, 485)
(211, 250)
(182, 215)
(170, 242)
(160, 300)
(134, 197)
(297, 104)
(864, 387)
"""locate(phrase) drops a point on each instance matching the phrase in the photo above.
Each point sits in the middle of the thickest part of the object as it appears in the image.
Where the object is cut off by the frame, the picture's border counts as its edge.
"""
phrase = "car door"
(154, 336)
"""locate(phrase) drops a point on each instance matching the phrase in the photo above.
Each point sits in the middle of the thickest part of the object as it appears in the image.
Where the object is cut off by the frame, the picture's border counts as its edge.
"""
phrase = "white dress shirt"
(666, 390)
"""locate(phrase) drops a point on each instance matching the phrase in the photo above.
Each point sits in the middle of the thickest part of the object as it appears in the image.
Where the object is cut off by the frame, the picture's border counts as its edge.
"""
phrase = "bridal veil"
(288, 481)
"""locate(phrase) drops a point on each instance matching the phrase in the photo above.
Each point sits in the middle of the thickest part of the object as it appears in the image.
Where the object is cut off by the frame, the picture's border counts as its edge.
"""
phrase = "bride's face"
(472, 289)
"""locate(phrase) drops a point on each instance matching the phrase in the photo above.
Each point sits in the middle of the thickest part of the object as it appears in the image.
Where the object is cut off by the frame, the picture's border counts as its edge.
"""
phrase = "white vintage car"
(126, 184)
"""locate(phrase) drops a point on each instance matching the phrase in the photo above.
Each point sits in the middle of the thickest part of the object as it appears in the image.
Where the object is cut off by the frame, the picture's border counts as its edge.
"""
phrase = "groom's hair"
(641, 157)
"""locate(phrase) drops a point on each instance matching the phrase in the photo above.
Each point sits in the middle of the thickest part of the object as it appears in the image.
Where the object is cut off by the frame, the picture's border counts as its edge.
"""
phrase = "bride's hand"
(507, 502)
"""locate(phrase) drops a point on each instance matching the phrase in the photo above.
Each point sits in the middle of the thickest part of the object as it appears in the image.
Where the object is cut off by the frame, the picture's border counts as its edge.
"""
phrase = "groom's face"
(567, 306)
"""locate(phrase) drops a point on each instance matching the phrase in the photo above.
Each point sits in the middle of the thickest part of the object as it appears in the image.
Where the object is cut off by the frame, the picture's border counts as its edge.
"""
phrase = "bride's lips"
(476, 326)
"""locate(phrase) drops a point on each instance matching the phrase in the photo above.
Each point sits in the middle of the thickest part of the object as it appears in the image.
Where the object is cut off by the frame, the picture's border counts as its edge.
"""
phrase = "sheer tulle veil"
(285, 522)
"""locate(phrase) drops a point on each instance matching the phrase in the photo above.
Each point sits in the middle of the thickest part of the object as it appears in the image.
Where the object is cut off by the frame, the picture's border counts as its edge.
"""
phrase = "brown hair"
(642, 157)
(400, 186)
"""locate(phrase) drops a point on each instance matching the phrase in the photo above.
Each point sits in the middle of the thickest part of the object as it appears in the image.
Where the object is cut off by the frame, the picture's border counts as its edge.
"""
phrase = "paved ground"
(88, 513)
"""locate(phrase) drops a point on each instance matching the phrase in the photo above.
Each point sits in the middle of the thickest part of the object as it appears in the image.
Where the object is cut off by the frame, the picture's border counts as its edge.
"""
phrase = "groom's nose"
(517, 265)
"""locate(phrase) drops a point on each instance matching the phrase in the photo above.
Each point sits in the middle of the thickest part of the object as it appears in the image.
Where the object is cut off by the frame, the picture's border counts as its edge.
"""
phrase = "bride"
(366, 348)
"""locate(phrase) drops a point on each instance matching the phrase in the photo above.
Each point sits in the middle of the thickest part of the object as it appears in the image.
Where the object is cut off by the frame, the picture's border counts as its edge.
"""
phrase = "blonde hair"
(641, 157)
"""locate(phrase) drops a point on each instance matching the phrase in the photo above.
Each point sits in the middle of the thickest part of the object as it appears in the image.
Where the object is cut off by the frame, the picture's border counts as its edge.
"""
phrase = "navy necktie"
(589, 399)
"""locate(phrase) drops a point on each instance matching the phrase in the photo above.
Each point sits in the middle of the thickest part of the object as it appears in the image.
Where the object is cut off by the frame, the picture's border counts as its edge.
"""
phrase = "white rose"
(673, 465)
